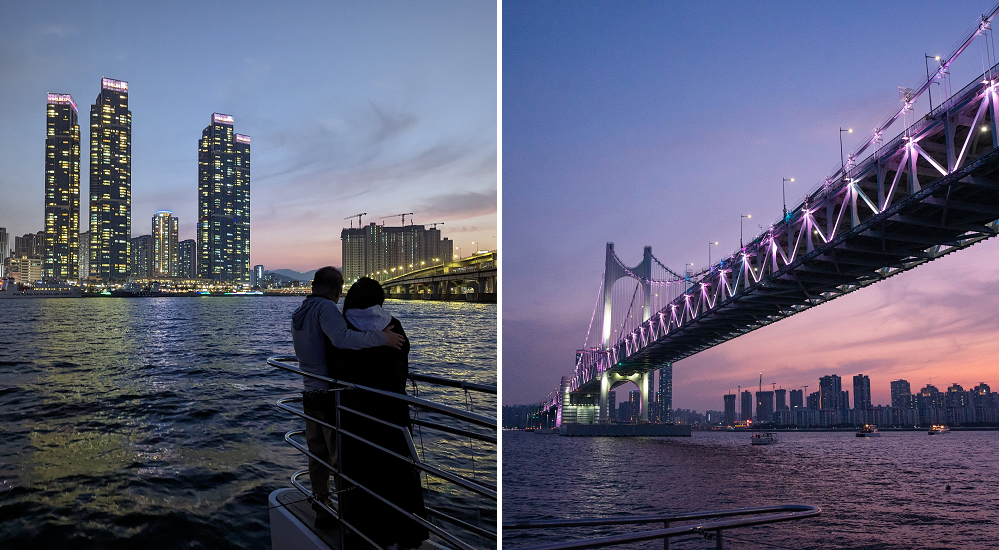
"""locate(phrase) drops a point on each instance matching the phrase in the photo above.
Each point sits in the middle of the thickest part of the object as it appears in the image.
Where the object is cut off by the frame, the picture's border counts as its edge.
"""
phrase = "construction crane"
(358, 216)
(436, 224)
(402, 218)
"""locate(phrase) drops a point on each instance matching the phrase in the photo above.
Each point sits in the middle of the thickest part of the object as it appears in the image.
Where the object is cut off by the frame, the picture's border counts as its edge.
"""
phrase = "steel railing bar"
(479, 419)
(485, 490)
(479, 488)
(696, 529)
(465, 525)
(455, 431)
(630, 520)
(453, 383)
(431, 527)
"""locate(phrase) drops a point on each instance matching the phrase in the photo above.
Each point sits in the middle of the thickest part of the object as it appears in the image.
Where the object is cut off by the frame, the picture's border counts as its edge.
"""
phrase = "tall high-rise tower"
(4, 251)
(62, 189)
(900, 393)
(223, 203)
(165, 261)
(829, 392)
(730, 405)
(110, 182)
(862, 392)
(666, 392)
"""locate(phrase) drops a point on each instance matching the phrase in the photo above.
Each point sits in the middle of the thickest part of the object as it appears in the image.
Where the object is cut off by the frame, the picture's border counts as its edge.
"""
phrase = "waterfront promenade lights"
(784, 208)
(842, 170)
(747, 216)
(710, 243)
(926, 68)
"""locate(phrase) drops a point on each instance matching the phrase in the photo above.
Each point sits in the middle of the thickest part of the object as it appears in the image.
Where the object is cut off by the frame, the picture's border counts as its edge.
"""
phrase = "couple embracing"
(365, 346)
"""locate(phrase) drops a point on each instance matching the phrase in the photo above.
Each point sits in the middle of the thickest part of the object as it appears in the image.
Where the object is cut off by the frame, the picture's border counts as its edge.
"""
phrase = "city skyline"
(669, 134)
(372, 108)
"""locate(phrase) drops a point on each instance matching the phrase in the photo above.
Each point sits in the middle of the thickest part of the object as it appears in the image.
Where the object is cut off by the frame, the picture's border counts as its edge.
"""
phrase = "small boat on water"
(938, 429)
(763, 438)
(135, 290)
(868, 430)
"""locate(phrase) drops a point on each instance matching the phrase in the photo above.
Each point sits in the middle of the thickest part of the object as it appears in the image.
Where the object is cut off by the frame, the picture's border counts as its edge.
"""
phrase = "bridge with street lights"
(471, 279)
(894, 204)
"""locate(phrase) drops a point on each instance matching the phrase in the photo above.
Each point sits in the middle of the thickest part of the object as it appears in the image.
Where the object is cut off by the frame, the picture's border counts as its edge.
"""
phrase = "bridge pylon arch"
(614, 270)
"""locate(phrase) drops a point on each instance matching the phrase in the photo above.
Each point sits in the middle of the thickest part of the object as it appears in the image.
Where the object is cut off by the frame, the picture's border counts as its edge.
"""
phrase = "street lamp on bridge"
(710, 243)
(783, 207)
(747, 216)
(842, 171)
(928, 70)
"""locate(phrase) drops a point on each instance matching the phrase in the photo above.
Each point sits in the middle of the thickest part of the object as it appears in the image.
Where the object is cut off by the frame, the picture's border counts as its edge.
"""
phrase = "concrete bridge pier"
(605, 388)
(644, 405)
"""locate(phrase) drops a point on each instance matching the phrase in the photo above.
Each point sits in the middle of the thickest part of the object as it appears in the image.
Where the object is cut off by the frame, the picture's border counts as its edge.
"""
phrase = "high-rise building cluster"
(830, 406)
(108, 253)
(382, 252)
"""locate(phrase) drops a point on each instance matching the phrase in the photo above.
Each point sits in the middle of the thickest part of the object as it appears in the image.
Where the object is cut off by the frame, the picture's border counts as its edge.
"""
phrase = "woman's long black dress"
(394, 479)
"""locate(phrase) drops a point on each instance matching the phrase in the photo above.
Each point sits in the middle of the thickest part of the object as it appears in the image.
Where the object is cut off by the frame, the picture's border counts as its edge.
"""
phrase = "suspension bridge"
(896, 203)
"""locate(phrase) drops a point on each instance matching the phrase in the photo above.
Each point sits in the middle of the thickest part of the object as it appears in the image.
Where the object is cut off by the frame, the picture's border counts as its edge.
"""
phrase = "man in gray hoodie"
(316, 325)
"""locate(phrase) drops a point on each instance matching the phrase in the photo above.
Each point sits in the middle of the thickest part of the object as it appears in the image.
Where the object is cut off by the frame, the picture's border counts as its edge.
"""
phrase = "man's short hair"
(329, 277)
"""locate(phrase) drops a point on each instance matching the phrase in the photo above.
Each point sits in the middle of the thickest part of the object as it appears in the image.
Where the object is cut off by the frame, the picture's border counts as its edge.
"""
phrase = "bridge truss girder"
(929, 192)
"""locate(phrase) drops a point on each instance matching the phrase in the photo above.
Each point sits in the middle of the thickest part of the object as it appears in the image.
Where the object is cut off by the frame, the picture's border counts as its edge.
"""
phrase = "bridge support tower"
(612, 272)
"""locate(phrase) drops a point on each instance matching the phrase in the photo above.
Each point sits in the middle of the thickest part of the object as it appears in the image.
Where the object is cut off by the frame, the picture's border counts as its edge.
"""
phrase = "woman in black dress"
(392, 478)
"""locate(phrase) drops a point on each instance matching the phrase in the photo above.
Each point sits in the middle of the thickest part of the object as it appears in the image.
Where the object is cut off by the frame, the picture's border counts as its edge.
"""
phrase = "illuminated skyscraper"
(376, 251)
(141, 263)
(4, 251)
(223, 203)
(187, 255)
(164, 252)
(30, 245)
(84, 255)
(666, 393)
(62, 189)
(110, 182)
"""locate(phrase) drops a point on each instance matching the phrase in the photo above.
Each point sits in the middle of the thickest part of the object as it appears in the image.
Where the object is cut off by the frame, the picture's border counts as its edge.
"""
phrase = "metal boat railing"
(713, 529)
(464, 423)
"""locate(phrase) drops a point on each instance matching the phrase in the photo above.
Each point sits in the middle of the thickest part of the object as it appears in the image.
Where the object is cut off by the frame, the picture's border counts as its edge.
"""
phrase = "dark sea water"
(150, 423)
(878, 493)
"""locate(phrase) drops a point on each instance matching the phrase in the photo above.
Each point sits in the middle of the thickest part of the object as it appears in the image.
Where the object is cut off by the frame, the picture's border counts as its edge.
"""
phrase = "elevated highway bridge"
(468, 279)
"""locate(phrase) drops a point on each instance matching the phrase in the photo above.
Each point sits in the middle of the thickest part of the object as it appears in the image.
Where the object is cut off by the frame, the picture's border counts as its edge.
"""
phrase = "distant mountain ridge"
(306, 276)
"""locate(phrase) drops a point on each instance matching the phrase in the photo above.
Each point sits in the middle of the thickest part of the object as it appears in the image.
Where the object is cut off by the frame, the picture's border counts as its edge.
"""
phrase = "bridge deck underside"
(952, 213)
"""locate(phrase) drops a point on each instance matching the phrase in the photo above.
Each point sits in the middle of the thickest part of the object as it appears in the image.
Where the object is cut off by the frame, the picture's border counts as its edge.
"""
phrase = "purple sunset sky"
(380, 107)
(660, 123)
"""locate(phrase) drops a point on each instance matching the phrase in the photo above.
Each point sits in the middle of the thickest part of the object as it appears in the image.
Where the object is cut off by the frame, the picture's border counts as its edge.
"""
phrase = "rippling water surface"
(886, 492)
(150, 422)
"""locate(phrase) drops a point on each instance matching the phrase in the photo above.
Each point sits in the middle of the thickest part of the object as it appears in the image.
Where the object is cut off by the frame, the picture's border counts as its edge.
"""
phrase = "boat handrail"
(708, 530)
(280, 361)
(478, 424)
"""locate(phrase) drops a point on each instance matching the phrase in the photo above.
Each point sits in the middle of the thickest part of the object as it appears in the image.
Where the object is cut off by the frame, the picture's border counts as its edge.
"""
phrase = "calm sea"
(150, 422)
(887, 492)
